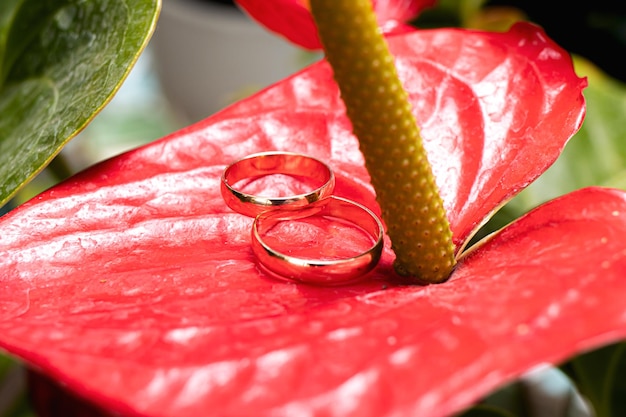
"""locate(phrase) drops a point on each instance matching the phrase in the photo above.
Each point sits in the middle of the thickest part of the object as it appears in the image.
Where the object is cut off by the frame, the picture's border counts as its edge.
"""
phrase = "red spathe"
(135, 285)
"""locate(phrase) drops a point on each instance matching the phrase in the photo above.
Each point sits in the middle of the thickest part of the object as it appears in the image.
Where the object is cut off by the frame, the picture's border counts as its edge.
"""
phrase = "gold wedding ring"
(269, 212)
(319, 271)
(269, 163)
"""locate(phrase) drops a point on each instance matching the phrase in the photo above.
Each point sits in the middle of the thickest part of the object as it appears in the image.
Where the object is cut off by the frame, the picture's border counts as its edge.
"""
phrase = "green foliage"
(486, 411)
(61, 61)
(450, 13)
(599, 375)
(13, 397)
(509, 401)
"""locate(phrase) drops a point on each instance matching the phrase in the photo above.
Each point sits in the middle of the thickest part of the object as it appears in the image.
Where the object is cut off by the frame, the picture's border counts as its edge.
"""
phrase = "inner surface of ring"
(285, 164)
(338, 210)
(317, 267)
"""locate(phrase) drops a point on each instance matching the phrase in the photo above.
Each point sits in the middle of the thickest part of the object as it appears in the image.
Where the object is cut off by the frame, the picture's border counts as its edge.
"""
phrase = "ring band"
(312, 271)
(268, 163)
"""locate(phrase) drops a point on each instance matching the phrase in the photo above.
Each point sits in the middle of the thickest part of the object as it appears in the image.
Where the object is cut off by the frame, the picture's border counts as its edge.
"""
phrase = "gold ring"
(319, 271)
(269, 163)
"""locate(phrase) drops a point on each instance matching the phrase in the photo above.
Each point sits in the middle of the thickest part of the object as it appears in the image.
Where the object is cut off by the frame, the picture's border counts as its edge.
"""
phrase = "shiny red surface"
(135, 285)
(293, 20)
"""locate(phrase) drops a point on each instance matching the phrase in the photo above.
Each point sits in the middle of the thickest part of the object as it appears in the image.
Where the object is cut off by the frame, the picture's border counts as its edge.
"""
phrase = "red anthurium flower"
(293, 19)
(135, 285)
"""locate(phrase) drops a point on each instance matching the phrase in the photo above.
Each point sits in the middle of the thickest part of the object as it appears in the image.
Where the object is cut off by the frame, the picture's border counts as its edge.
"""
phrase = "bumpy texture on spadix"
(389, 138)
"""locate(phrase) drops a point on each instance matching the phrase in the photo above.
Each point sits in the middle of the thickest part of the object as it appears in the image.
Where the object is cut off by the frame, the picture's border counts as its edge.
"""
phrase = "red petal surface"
(293, 20)
(134, 284)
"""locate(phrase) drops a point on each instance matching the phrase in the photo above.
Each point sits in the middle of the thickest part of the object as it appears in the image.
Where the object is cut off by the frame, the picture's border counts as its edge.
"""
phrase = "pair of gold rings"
(318, 201)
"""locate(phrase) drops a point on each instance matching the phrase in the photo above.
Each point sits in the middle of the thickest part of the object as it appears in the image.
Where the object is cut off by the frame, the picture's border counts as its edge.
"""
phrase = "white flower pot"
(209, 55)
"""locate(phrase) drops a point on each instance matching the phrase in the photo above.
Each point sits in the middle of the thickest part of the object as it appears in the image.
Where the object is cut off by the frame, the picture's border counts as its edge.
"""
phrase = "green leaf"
(617, 383)
(598, 375)
(13, 397)
(596, 155)
(507, 401)
(486, 411)
(589, 372)
(61, 61)
(545, 391)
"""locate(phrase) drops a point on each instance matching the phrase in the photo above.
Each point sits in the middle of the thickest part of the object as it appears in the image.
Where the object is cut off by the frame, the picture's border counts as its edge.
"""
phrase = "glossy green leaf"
(60, 62)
